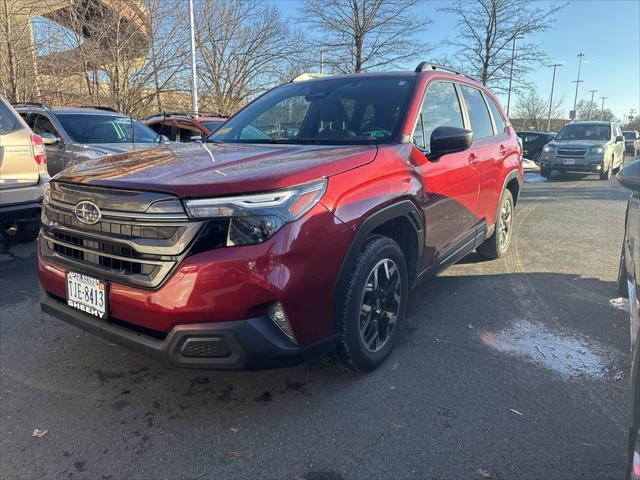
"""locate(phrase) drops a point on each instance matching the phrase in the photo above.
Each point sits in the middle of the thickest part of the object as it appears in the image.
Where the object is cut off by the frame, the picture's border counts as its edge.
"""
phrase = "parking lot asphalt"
(516, 368)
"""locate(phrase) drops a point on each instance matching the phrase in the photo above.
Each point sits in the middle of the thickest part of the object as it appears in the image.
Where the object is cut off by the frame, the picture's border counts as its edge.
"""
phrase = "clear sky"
(606, 31)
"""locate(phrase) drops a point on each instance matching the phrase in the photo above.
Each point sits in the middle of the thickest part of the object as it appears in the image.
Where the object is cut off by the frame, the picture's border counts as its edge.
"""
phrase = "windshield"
(585, 132)
(96, 128)
(629, 135)
(329, 111)
(213, 125)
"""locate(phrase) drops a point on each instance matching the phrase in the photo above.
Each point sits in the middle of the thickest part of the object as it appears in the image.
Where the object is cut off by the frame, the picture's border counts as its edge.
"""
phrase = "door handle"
(503, 150)
(473, 160)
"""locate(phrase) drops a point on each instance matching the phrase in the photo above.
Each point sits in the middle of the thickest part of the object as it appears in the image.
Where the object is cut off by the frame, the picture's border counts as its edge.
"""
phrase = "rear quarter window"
(8, 120)
(497, 117)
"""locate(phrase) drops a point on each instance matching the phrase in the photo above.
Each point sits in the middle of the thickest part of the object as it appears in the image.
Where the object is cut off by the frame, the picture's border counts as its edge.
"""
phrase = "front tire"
(606, 175)
(498, 243)
(20, 232)
(545, 172)
(374, 304)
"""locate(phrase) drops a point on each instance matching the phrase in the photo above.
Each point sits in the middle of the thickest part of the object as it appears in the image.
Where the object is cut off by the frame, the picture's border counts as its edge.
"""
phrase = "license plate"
(87, 294)
(569, 161)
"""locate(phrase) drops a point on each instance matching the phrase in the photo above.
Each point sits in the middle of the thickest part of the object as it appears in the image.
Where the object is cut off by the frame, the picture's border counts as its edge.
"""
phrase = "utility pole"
(553, 82)
(513, 58)
(194, 73)
(577, 82)
(602, 108)
(321, 61)
(591, 104)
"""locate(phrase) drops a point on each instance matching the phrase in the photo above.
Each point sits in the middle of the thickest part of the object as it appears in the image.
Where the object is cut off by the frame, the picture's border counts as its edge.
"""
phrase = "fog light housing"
(598, 167)
(279, 317)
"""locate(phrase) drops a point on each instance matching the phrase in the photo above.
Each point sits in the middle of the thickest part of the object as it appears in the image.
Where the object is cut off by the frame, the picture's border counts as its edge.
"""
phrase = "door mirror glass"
(445, 140)
(50, 138)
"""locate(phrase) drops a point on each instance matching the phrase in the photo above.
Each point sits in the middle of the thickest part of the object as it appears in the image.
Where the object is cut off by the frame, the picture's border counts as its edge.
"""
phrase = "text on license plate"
(569, 161)
(87, 294)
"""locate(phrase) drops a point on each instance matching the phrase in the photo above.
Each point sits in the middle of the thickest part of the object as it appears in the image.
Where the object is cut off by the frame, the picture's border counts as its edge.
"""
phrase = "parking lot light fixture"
(578, 81)
(553, 82)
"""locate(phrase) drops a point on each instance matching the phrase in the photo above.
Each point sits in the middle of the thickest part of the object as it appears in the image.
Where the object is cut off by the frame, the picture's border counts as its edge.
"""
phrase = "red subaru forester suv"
(297, 229)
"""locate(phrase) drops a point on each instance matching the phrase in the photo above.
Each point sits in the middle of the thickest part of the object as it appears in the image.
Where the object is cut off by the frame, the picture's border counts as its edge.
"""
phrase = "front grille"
(571, 152)
(139, 246)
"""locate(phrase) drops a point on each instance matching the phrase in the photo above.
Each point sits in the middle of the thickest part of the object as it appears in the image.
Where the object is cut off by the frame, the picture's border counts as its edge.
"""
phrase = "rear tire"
(374, 304)
(622, 276)
(20, 232)
(498, 243)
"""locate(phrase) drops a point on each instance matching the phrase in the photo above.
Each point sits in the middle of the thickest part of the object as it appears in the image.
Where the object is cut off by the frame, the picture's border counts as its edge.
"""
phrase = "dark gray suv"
(629, 286)
(73, 135)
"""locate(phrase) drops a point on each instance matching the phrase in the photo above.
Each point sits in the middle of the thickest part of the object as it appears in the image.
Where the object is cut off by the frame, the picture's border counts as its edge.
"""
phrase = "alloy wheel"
(380, 305)
(504, 224)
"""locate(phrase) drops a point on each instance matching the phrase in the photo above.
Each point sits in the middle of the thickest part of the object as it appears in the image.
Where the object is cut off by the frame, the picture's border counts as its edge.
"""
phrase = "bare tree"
(587, 110)
(18, 69)
(361, 35)
(244, 46)
(486, 32)
(532, 111)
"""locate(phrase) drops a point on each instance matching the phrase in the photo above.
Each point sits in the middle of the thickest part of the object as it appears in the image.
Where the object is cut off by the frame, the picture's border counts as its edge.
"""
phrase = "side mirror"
(619, 139)
(445, 140)
(50, 138)
(629, 176)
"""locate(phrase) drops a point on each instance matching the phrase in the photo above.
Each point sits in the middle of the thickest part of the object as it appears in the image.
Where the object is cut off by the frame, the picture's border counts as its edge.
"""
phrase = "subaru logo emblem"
(87, 212)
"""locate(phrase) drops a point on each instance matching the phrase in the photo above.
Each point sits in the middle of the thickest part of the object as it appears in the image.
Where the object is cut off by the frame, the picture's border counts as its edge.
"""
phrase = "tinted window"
(8, 121)
(478, 113)
(497, 116)
(96, 128)
(441, 108)
(629, 135)
(213, 124)
(328, 111)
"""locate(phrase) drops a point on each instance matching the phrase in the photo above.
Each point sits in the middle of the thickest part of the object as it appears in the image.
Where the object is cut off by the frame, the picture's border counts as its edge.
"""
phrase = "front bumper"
(582, 165)
(251, 344)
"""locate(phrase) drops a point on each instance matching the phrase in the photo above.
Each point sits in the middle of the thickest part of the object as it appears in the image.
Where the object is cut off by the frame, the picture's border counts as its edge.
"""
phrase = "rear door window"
(441, 108)
(478, 113)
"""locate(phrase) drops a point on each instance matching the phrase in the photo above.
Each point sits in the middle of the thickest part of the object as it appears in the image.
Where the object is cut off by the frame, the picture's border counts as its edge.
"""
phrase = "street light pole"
(577, 82)
(591, 104)
(602, 108)
(321, 61)
(553, 82)
(194, 73)
(513, 58)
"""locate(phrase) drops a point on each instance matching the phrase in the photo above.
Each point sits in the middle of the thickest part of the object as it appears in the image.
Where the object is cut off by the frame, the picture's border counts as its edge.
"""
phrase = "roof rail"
(426, 66)
(30, 104)
(100, 107)
(185, 114)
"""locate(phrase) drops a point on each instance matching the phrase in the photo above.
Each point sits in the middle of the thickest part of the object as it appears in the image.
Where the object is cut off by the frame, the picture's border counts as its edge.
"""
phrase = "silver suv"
(76, 134)
(591, 147)
(23, 174)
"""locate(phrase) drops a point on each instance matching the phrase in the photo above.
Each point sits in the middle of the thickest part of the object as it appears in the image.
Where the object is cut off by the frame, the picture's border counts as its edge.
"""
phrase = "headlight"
(46, 194)
(257, 217)
(598, 150)
(547, 149)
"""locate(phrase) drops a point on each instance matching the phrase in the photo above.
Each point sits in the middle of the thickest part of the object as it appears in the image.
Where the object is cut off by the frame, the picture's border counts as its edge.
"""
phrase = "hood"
(91, 151)
(211, 169)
